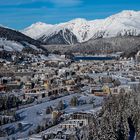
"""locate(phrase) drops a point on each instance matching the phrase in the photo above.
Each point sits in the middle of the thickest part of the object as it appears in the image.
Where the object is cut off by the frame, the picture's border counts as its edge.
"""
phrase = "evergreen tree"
(74, 101)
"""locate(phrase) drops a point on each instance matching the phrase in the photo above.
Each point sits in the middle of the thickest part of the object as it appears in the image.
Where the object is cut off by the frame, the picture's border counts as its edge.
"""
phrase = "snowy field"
(32, 119)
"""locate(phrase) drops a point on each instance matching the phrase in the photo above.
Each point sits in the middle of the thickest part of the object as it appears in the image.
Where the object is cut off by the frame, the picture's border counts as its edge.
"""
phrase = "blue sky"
(19, 14)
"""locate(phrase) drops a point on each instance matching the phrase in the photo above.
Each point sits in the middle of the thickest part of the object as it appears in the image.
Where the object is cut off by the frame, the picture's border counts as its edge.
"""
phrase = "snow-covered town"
(56, 97)
(70, 70)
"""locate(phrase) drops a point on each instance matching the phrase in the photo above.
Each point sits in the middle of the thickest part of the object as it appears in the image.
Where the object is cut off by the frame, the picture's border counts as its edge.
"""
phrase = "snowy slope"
(124, 23)
(12, 40)
(10, 46)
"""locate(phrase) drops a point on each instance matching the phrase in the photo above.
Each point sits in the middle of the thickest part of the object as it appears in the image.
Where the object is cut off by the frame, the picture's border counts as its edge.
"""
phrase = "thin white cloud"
(66, 2)
(13, 2)
(59, 3)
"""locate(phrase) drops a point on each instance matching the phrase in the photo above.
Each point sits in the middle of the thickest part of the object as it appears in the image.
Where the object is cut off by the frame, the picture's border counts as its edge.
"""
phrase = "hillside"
(12, 40)
(128, 44)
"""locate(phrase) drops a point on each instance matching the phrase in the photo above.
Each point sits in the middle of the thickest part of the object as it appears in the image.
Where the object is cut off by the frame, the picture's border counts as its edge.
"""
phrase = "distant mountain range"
(119, 32)
(125, 23)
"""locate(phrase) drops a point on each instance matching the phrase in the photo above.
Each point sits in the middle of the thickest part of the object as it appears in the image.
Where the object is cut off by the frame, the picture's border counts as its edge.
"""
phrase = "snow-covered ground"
(52, 57)
(31, 117)
(8, 45)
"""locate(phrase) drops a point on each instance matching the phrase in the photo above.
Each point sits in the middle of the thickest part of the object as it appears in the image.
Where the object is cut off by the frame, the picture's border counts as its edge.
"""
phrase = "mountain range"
(125, 23)
(119, 32)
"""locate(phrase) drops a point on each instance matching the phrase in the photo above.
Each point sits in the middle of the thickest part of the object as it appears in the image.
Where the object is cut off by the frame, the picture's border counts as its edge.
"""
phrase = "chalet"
(102, 91)
(81, 116)
(121, 89)
(72, 124)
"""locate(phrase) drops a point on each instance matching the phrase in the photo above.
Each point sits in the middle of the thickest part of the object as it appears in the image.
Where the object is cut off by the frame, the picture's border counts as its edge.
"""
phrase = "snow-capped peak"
(36, 29)
(39, 24)
(127, 13)
(78, 20)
